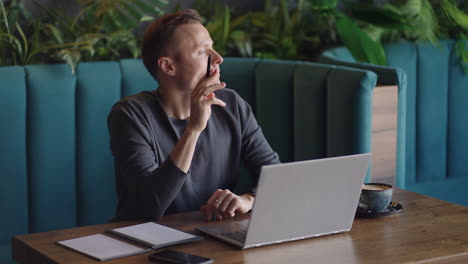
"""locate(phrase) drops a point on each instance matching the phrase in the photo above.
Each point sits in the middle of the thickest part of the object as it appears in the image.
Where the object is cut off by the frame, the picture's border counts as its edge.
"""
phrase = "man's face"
(191, 46)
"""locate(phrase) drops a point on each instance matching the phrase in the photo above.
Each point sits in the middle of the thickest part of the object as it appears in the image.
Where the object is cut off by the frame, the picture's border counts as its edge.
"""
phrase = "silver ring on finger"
(219, 202)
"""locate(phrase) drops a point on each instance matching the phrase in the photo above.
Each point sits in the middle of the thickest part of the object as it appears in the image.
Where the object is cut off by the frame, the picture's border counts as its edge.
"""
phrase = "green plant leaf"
(122, 20)
(89, 48)
(79, 15)
(284, 7)
(242, 42)
(5, 17)
(132, 11)
(375, 33)
(58, 16)
(454, 14)
(268, 6)
(25, 43)
(266, 55)
(423, 20)
(379, 16)
(160, 3)
(226, 24)
(146, 18)
(159, 6)
(90, 39)
(71, 57)
(461, 47)
(237, 21)
(56, 33)
(147, 7)
(361, 46)
(323, 5)
(108, 23)
(14, 42)
(213, 26)
(259, 20)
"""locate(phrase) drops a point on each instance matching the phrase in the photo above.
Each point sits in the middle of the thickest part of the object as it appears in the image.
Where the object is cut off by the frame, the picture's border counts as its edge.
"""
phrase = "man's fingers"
(206, 91)
(227, 201)
(231, 210)
(214, 87)
(215, 212)
(216, 101)
(206, 211)
(214, 199)
(204, 82)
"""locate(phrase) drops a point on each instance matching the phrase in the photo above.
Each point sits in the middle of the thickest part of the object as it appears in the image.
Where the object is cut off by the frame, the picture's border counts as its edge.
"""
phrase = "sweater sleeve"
(145, 187)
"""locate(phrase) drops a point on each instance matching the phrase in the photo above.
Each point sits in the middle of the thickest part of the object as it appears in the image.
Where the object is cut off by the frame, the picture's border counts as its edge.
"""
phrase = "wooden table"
(427, 230)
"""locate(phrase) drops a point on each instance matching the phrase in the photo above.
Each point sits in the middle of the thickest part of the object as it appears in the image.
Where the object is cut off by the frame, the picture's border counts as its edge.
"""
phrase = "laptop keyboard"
(238, 235)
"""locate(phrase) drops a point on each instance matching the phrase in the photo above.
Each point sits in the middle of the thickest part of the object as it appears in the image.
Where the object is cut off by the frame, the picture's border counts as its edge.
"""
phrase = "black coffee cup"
(376, 197)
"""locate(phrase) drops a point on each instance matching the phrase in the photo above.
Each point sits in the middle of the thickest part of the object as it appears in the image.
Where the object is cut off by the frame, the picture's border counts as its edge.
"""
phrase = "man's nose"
(216, 58)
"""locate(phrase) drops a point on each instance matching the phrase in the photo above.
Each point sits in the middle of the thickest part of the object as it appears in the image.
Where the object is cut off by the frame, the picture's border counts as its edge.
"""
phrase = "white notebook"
(102, 247)
(150, 235)
(154, 235)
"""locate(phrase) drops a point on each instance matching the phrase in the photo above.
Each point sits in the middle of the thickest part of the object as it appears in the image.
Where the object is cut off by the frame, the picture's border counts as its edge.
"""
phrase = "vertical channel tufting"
(349, 111)
(239, 75)
(431, 133)
(400, 175)
(457, 137)
(13, 188)
(404, 55)
(274, 104)
(135, 77)
(51, 147)
(98, 88)
(310, 97)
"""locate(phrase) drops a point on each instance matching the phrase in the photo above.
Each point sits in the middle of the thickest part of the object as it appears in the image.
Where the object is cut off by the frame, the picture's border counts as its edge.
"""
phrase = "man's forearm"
(182, 153)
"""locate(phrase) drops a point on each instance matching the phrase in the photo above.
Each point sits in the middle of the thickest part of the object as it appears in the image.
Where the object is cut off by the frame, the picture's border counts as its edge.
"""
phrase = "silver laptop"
(299, 200)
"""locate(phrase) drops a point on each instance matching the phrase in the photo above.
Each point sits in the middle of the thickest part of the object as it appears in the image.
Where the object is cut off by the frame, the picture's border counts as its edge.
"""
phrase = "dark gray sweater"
(142, 136)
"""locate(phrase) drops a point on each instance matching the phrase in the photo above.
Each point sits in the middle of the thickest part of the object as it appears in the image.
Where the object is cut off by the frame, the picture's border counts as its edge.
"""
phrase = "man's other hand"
(225, 204)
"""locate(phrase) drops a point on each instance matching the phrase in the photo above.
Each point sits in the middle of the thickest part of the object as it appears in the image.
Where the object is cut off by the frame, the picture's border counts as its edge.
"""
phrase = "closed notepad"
(102, 247)
(154, 235)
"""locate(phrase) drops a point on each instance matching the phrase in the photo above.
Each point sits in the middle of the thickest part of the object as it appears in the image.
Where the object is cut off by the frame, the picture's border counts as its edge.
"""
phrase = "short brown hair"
(158, 35)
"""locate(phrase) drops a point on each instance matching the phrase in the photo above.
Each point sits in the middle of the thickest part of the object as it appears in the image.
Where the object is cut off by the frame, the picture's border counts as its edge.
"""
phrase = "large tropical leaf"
(454, 14)
(361, 46)
(423, 20)
(381, 16)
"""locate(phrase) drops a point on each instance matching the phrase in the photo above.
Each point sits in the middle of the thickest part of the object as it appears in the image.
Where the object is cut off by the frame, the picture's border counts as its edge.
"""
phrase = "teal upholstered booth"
(56, 166)
(432, 150)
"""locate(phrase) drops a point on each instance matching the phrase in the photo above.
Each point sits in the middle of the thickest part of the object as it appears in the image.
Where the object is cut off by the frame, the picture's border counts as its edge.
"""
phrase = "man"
(178, 149)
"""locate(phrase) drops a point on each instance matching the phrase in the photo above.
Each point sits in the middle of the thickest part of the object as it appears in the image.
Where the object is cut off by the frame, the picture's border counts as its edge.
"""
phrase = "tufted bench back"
(56, 167)
(432, 148)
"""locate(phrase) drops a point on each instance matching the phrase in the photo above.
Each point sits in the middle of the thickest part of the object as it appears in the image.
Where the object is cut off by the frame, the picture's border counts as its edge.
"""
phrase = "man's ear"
(166, 65)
